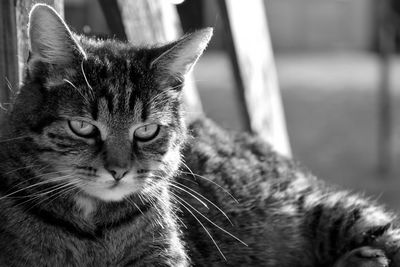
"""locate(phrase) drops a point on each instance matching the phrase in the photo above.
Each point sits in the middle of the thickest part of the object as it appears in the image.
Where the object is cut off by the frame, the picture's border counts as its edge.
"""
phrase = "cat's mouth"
(100, 183)
(115, 184)
(106, 188)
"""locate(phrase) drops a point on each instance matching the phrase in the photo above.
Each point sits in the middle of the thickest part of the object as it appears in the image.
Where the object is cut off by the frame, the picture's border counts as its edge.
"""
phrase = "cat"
(98, 168)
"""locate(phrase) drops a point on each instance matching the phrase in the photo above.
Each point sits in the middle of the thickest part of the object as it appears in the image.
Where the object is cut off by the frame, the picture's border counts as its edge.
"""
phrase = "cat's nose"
(117, 172)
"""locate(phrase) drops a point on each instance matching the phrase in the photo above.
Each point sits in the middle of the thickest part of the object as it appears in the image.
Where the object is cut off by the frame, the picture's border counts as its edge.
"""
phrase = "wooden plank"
(22, 10)
(8, 52)
(152, 22)
(386, 48)
(249, 43)
(114, 19)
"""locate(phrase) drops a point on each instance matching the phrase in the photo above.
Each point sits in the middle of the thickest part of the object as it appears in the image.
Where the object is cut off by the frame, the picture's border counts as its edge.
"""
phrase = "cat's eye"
(146, 133)
(82, 128)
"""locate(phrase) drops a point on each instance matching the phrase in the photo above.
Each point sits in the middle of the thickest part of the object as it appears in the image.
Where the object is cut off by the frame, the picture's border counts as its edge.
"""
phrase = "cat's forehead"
(116, 64)
(106, 52)
(115, 85)
(121, 100)
(118, 109)
(119, 91)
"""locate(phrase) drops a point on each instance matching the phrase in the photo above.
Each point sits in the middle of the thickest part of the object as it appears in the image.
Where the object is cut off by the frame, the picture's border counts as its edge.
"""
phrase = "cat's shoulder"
(241, 158)
(206, 136)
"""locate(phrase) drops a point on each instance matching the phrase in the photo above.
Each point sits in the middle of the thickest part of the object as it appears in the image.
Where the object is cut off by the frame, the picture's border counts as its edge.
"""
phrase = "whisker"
(39, 193)
(209, 201)
(12, 139)
(68, 187)
(141, 199)
(181, 221)
(209, 180)
(134, 204)
(60, 178)
(84, 76)
(79, 91)
(79, 190)
(34, 177)
(216, 225)
(187, 192)
(33, 197)
(22, 168)
(55, 193)
(187, 179)
(205, 229)
(9, 85)
(3, 108)
(43, 192)
(72, 186)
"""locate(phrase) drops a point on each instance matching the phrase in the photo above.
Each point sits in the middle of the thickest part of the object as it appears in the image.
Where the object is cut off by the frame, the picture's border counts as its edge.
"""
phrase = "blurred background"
(338, 70)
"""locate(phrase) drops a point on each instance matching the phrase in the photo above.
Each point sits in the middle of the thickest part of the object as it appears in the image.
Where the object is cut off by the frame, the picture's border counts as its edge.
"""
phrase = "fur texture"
(284, 214)
(97, 169)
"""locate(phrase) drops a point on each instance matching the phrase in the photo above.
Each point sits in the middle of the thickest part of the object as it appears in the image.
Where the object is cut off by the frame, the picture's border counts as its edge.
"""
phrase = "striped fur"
(284, 214)
(228, 200)
(59, 202)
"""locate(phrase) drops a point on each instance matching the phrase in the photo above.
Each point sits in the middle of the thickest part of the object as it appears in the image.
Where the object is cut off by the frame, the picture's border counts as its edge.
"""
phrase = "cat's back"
(254, 187)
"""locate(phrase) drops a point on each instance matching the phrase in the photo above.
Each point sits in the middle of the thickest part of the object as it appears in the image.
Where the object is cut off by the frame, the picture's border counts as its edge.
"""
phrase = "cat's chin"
(113, 193)
(111, 196)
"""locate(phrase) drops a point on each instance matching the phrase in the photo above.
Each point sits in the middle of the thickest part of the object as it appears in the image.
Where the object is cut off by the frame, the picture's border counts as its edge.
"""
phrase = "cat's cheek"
(172, 159)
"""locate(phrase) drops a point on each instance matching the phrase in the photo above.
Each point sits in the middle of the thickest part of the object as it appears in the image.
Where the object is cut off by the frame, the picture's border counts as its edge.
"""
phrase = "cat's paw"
(363, 257)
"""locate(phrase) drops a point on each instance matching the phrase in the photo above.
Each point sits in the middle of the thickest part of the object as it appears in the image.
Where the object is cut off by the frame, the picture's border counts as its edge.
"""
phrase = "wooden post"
(249, 45)
(8, 52)
(150, 22)
(386, 47)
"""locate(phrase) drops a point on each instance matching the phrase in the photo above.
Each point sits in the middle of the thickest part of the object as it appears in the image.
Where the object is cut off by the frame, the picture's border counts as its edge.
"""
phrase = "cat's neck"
(86, 206)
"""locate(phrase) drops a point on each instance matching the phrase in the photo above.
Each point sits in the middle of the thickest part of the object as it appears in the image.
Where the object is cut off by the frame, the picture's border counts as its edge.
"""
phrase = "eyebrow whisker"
(84, 76)
(69, 82)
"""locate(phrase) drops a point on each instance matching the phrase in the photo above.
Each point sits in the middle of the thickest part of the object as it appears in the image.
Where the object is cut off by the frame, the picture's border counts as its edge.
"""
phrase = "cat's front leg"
(341, 225)
(389, 242)
(380, 250)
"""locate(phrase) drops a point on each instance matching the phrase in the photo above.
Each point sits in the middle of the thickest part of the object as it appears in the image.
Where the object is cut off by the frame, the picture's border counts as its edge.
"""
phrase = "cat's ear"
(179, 58)
(50, 39)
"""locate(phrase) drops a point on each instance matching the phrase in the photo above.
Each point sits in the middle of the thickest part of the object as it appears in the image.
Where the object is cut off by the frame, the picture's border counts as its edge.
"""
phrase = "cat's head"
(103, 114)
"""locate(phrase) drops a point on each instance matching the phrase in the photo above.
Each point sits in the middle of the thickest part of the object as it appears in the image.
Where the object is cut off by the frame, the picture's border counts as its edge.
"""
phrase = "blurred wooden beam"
(151, 22)
(248, 42)
(113, 17)
(8, 51)
(386, 48)
(191, 14)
